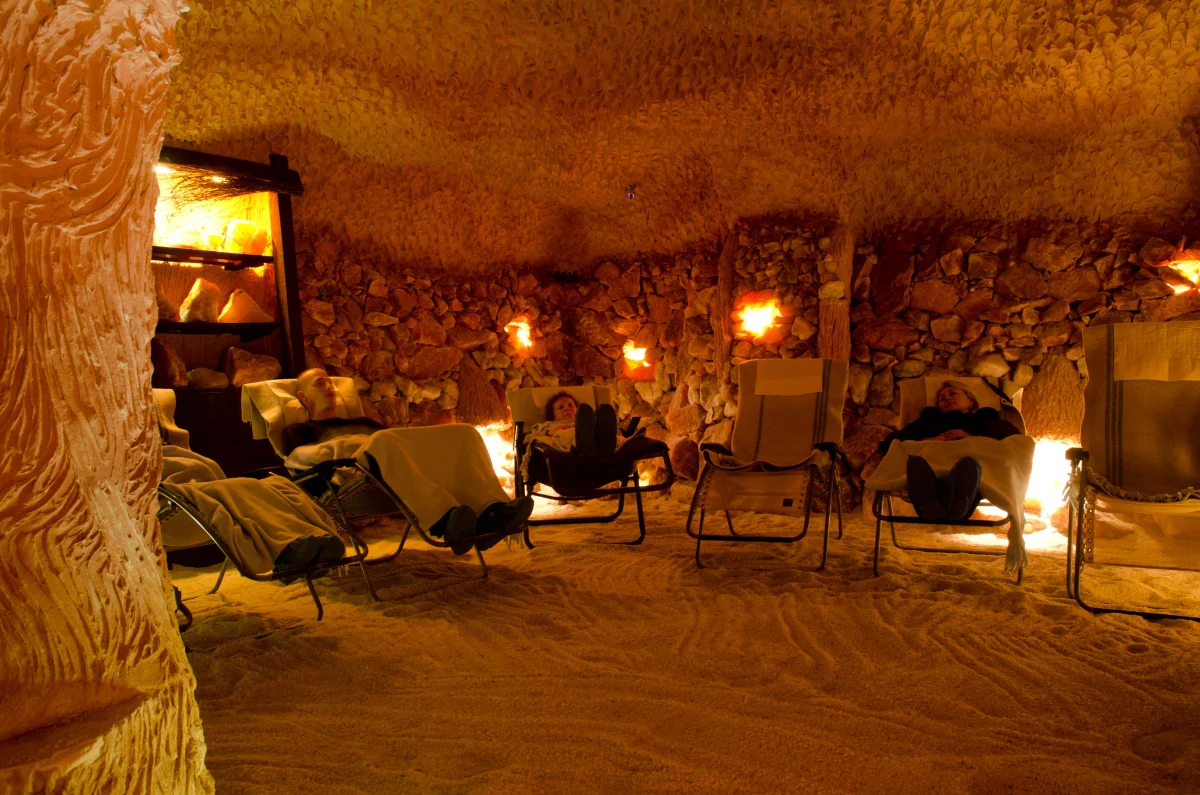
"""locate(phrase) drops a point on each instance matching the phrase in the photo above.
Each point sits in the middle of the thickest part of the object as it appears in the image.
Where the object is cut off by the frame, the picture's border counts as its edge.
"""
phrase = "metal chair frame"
(1081, 509)
(833, 492)
(177, 502)
(892, 518)
(332, 496)
(524, 488)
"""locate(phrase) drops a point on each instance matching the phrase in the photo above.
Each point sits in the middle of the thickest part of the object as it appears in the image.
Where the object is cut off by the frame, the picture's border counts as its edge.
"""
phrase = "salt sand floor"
(585, 667)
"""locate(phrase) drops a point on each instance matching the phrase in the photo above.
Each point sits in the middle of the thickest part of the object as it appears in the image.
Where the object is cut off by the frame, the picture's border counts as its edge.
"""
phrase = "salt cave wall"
(1007, 302)
(96, 694)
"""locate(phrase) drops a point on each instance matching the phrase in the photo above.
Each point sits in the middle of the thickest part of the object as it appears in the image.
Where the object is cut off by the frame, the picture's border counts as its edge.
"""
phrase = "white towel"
(1006, 463)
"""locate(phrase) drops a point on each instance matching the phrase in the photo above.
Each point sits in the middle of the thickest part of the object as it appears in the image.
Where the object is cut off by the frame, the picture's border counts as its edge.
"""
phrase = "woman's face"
(563, 408)
(951, 398)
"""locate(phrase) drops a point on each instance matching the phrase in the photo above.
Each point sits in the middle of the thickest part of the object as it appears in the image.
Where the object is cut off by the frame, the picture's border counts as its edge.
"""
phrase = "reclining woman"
(442, 472)
(957, 415)
(572, 428)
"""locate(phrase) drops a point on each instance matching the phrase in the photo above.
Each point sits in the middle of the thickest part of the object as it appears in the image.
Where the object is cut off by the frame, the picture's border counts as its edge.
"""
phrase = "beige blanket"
(1006, 463)
(258, 519)
(436, 468)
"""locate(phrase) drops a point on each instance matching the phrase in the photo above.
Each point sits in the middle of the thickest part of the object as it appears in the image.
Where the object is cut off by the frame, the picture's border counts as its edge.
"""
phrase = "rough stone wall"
(95, 688)
(464, 135)
(1005, 302)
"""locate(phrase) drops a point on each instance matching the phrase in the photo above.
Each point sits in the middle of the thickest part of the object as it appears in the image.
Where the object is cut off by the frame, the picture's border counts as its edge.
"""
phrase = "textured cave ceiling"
(463, 133)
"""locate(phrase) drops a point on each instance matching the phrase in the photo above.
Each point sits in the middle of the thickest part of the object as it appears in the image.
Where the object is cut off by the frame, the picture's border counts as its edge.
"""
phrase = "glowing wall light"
(519, 333)
(635, 357)
(757, 317)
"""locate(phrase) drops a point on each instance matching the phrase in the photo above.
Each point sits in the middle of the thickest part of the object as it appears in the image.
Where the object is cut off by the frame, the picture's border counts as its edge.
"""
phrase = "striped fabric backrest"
(1141, 419)
(528, 404)
(785, 406)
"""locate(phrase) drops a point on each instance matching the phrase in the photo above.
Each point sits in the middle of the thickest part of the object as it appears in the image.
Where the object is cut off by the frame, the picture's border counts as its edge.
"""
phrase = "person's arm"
(923, 427)
(995, 427)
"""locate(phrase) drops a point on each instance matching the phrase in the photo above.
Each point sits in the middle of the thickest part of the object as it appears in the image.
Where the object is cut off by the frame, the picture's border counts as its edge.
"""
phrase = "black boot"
(606, 430)
(923, 489)
(962, 489)
(457, 526)
(585, 430)
(502, 517)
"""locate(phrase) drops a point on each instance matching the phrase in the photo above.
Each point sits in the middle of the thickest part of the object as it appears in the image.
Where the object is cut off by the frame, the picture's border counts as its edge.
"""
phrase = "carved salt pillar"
(721, 310)
(96, 694)
(833, 329)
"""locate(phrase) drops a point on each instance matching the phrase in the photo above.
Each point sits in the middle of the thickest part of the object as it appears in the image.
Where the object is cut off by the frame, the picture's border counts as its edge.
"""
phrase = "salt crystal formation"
(200, 306)
(96, 693)
(513, 131)
(204, 378)
(170, 371)
(242, 308)
(243, 367)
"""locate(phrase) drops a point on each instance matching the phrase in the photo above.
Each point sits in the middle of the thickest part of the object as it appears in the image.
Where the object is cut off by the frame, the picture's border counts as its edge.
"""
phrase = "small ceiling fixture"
(631, 192)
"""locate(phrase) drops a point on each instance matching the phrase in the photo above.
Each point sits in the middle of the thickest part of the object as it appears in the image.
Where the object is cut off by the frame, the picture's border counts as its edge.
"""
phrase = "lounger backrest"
(270, 406)
(786, 406)
(918, 393)
(528, 405)
(1141, 417)
(164, 410)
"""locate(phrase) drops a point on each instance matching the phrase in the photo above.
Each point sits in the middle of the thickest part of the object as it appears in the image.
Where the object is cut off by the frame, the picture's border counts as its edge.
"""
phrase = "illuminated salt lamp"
(636, 366)
(161, 169)
(519, 334)
(756, 317)
(1188, 269)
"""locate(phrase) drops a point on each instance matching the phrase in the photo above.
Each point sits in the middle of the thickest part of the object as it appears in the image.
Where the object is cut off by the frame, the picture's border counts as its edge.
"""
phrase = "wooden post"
(833, 328)
(286, 284)
(720, 312)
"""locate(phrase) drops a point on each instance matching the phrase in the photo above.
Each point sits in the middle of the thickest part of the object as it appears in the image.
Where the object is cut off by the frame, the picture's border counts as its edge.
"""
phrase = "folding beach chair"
(786, 437)
(1140, 454)
(351, 488)
(182, 525)
(915, 395)
(576, 477)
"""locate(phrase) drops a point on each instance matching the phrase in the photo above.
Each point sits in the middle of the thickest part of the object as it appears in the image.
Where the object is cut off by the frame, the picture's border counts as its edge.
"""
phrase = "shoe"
(503, 519)
(585, 430)
(460, 529)
(606, 430)
(962, 489)
(923, 489)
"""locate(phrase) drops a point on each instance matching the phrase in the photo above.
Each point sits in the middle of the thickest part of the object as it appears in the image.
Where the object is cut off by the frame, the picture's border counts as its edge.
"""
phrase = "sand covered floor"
(585, 667)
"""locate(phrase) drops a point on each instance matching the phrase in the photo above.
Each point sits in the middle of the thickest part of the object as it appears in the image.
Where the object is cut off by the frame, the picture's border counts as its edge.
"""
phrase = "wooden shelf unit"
(213, 416)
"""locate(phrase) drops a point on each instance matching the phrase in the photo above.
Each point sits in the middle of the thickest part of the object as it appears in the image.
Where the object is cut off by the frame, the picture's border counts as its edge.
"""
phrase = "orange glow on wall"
(757, 317)
(519, 333)
(1188, 269)
(234, 225)
(634, 356)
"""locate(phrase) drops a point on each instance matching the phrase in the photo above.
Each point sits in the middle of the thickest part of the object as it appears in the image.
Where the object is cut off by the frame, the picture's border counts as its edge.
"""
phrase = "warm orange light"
(237, 224)
(497, 438)
(1181, 288)
(1188, 269)
(1051, 470)
(757, 317)
(518, 333)
(634, 357)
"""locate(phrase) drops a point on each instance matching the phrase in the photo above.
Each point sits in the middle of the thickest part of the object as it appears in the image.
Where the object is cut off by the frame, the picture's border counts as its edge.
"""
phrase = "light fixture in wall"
(1188, 269)
(757, 316)
(519, 333)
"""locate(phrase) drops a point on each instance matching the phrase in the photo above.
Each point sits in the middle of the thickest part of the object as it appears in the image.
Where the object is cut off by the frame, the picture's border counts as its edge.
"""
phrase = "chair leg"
(182, 608)
(637, 496)
(221, 576)
(316, 599)
(837, 485)
(828, 514)
(729, 521)
(482, 563)
(367, 576)
(1070, 533)
(878, 530)
(699, 538)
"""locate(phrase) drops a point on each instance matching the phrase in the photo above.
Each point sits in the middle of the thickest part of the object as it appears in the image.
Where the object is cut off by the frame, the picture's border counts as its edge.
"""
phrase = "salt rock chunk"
(167, 310)
(205, 378)
(200, 306)
(242, 308)
(244, 367)
(169, 370)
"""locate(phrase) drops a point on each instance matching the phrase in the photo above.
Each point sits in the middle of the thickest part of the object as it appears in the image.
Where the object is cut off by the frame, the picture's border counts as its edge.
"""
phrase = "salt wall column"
(96, 694)
(833, 326)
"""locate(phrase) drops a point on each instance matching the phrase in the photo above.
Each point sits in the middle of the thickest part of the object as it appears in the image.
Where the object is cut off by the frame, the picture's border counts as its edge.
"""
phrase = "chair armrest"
(834, 452)
(326, 468)
(713, 447)
(1077, 454)
(264, 472)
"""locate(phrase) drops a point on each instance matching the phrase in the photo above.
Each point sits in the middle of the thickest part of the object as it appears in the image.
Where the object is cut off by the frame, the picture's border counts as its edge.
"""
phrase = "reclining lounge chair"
(348, 484)
(915, 395)
(786, 436)
(184, 525)
(575, 477)
(1140, 454)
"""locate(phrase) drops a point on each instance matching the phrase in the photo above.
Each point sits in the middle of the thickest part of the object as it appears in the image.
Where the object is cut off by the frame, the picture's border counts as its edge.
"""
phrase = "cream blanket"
(1006, 463)
(435, 468)
(258, 519)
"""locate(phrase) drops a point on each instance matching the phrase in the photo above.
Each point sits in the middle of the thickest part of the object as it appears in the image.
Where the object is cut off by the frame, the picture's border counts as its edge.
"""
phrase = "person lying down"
(269, 525)
(572, 428)
(443, 473)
